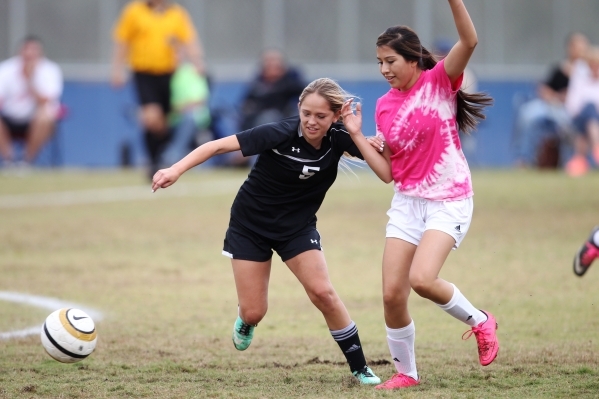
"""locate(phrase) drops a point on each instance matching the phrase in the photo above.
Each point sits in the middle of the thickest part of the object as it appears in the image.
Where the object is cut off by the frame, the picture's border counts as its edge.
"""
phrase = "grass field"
(151, 264)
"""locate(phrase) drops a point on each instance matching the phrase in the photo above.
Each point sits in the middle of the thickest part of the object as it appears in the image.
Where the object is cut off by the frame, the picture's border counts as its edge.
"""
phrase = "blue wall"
(101, 120)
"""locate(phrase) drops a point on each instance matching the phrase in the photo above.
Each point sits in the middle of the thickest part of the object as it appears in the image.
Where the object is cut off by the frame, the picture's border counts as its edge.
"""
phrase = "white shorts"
(410, 217)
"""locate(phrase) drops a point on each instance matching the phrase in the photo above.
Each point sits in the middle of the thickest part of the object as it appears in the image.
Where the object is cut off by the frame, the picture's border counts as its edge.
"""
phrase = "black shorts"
(240, 243)
(154, 89)
(17, 129)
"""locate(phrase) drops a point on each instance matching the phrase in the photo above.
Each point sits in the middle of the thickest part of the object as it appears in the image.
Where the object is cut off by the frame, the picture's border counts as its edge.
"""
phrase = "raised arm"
(379, 163)
(167, 177)
(459, 55)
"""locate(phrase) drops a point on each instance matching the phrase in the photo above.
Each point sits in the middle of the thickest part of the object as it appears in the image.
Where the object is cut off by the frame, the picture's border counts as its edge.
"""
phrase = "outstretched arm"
(379, 163)
(167, 177)
(460, 54)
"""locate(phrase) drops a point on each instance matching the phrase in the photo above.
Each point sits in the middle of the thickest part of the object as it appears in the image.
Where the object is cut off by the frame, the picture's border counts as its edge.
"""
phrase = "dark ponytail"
(404, 41)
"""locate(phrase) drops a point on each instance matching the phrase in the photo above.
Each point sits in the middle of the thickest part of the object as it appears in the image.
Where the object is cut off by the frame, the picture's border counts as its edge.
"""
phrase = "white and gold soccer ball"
(69, 335)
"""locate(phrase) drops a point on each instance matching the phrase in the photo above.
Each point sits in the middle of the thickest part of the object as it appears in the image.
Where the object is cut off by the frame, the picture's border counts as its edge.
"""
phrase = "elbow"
(472, 43)
(385, 177)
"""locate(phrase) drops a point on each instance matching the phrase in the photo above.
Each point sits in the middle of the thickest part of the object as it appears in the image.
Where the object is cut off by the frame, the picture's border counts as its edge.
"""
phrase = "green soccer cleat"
(366, 376)
(242, 334)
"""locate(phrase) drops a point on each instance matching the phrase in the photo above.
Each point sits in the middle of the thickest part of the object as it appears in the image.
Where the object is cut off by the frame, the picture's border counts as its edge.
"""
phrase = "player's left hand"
(351, 120)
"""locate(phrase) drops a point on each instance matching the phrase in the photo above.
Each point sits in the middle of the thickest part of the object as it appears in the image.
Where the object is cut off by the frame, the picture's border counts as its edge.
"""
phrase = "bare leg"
(428, 260)
(593, 132)
(40, 130)
(397, 260)
(251, 282)
(6, 151)
(310, 268)
(153, 119)
(156, 135)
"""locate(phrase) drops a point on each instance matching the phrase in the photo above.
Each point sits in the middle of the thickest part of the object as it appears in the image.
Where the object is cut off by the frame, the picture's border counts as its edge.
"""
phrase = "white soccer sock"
(596, 238)
(401, 346)
(460, 308)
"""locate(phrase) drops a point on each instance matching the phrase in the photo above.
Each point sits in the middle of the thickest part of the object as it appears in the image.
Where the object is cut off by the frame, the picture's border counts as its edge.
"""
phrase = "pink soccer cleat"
(398, 381)
(486, 339)
(586, 255)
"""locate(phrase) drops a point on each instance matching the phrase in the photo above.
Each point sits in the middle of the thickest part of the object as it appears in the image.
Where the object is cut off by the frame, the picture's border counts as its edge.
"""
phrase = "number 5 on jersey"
(308, 171)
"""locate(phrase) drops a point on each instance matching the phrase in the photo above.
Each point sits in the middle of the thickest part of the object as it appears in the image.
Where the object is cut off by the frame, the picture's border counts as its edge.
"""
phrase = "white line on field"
(117, 194)
(40, 302)
(141, 193)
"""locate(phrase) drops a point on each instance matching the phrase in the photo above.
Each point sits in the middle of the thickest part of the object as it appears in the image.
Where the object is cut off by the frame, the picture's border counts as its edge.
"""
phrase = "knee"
(421, 284)
(323, 297)
(395, 299)
(253, 315)
(44, 117)
(152, 118)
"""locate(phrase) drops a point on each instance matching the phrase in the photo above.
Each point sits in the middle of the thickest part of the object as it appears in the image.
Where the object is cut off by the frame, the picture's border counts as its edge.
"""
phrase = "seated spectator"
(30, 90)
(544, 117)
(273, 94)
(190, 115)
(582, 104)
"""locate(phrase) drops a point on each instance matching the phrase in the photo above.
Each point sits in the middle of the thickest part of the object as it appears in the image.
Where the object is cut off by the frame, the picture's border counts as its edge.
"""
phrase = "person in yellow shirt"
(147, 36)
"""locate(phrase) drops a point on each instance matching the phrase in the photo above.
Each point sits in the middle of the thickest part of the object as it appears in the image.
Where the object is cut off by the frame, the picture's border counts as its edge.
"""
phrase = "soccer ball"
(69, 335)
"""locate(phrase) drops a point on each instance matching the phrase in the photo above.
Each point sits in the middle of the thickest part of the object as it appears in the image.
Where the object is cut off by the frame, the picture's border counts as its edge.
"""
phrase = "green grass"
(152, 264)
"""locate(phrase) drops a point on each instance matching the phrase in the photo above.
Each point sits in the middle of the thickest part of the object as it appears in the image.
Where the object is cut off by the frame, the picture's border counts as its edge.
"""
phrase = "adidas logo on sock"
(352, 348)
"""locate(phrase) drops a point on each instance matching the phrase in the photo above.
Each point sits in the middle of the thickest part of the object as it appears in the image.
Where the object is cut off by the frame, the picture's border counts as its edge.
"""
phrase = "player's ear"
(338, 116)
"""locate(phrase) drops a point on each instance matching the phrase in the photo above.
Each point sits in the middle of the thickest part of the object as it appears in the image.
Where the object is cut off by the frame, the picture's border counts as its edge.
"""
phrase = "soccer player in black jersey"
(275, 209)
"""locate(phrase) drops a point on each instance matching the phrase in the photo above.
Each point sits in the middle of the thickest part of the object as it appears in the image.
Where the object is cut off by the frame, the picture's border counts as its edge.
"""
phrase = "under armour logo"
(396, 360)
(295, 149)
(313, 241)
(458, 228)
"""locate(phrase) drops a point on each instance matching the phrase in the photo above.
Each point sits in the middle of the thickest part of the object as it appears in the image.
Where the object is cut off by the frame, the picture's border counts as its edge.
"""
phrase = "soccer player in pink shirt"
(418, 122)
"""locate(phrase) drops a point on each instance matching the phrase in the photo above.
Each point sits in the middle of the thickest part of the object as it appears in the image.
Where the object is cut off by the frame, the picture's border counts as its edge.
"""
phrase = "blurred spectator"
(271, 96)
(543, 124)
(148, 34)
(30, 90)
(274, 92)
(190, 113)
(582, 104)
(441, 48)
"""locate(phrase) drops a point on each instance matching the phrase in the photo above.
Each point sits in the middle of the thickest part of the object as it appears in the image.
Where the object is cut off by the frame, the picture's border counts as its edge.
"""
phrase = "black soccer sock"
(349, 342)
(155, 146)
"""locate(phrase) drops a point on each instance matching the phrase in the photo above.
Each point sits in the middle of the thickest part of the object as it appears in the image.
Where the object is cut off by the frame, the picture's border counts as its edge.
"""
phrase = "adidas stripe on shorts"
(410, 217)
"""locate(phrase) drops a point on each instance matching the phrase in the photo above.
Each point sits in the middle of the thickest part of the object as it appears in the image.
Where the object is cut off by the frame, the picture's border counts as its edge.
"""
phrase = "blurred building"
(518, 41)
(518, 37)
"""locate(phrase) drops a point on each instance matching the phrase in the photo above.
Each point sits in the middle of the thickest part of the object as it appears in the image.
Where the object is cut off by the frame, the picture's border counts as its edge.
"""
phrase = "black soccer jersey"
(290, 178)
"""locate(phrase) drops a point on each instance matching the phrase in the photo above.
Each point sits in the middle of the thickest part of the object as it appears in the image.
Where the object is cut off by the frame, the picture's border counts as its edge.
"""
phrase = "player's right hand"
(117, 78)
(377, 142)
(164, 178)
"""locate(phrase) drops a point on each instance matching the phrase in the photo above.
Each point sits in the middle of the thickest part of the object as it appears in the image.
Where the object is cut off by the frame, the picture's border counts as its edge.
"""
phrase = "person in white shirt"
(30, 90)
(582, 103)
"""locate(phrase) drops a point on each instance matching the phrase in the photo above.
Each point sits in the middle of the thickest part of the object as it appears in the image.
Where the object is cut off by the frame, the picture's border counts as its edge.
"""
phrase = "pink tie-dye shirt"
(419, 127)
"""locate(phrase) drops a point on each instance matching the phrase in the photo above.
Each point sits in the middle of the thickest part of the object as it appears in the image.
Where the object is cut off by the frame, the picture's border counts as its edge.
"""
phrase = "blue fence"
(101, 122)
